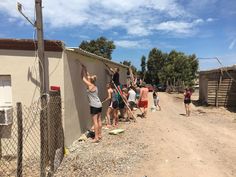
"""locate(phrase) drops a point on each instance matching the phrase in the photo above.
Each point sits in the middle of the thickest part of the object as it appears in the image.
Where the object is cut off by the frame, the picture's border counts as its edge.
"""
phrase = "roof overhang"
(229, 68)
(91, 55)
(30, 45)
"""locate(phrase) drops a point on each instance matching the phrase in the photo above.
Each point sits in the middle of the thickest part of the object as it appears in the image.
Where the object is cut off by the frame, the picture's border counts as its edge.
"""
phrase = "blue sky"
(204, 27)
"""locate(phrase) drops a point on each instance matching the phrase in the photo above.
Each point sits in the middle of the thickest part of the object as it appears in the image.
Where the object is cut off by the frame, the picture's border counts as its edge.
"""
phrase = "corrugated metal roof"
(88, 54)
(228, 68)
(29, 44)
(50, 45)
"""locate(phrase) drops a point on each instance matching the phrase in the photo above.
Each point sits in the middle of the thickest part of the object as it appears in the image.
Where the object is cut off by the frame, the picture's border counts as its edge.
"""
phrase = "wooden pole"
(44, 87)
(19, 140)
(218, 89)
(0, 147)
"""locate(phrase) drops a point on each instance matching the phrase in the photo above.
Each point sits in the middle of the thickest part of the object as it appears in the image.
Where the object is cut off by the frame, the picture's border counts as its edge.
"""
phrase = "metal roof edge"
(227, 68)
(30, 44)
(88, 54)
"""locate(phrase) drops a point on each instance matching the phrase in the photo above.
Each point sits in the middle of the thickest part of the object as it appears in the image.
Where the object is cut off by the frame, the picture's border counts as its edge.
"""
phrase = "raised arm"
(112, 70)
(84, 76)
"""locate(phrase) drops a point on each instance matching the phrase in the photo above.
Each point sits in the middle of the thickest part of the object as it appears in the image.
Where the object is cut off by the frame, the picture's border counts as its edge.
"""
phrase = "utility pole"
(44, 84)
(44, 87)
(43, 64)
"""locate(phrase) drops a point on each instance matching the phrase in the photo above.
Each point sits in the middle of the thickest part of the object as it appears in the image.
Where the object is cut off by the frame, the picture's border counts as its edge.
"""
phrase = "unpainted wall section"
(203, 82)
(23, 68)
(77, 118)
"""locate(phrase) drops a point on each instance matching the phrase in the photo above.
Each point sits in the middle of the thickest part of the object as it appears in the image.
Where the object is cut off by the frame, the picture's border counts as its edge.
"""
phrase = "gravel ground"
(115, 155)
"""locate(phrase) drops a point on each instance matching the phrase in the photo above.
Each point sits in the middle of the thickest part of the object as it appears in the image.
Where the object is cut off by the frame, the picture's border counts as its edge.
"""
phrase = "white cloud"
(180, 27)
(232, 44)
(210, 20)
(133, 44)
(135, 17)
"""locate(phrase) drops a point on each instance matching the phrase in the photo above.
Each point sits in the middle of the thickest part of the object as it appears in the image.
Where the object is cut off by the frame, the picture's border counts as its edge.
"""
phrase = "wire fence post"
(19, 140)
(43, 137)
(55, 131)
(0, 147)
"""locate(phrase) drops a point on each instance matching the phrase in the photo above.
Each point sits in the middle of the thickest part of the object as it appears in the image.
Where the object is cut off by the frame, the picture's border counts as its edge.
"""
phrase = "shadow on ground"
(231, 109)
(198, 103)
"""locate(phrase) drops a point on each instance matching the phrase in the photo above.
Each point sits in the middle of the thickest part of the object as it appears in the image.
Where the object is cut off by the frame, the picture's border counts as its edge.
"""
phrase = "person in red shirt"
(143, 99)
(187, 101)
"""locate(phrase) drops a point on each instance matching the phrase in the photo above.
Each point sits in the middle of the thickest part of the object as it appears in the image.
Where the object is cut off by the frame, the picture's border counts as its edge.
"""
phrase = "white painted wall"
(22, 66)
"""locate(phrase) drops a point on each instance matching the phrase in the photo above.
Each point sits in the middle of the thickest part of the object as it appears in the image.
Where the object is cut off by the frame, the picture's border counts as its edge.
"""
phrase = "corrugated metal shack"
(217, 87)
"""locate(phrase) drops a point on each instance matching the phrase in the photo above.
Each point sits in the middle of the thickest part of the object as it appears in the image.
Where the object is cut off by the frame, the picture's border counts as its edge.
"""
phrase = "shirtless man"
(143, 99)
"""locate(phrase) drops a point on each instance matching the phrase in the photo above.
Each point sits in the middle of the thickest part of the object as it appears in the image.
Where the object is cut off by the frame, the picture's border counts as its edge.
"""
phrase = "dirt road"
(203, 145)
(166, 144)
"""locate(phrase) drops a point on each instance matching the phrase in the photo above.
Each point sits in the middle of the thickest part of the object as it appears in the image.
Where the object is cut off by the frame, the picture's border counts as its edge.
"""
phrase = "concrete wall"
(77, 117)
(64, 71)
(23, 68)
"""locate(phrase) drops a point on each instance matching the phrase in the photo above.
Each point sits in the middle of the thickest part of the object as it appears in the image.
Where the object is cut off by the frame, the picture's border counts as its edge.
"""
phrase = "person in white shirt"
(131, 100)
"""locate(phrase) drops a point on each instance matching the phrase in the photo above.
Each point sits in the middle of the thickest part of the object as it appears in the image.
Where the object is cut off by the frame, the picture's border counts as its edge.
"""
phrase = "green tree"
(173, 69)
(100, 46)
(143, 67)
(155, 63)
(179, 69)
(128, 63)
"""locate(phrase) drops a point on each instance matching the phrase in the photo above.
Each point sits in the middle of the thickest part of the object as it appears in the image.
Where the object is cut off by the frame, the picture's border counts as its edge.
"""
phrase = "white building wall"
(23, 68)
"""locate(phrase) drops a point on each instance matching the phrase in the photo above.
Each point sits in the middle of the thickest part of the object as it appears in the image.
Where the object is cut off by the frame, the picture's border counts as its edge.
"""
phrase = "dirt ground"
(203, 145)
(166, 144)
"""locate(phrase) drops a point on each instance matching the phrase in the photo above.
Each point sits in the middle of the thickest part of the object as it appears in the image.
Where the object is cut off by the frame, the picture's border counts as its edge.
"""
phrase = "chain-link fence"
(32, 139)
(8, 142)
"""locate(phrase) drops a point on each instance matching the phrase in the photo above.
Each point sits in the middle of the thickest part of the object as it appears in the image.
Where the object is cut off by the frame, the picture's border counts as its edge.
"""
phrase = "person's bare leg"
(115, 117)
(145, 112)
(99, 119)
(126, 112)
(158, 104)
(95, 124)
(128, 115)
(186, 109)
(155, 104)
(108, 117)
(142, 111)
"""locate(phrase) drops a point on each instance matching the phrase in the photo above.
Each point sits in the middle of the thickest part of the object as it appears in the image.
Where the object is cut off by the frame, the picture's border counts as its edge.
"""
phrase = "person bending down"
(94, 102)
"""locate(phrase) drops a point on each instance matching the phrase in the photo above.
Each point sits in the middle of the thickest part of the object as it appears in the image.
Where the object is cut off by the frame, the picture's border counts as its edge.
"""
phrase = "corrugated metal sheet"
(221, 87)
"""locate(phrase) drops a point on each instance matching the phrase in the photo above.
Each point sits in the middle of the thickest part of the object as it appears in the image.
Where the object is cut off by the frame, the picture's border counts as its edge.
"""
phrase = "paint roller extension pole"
(117, 89)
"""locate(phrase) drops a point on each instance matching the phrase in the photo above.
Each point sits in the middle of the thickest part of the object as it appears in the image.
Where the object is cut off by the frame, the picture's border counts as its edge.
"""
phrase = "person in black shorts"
(187, 101)
(94, 102)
